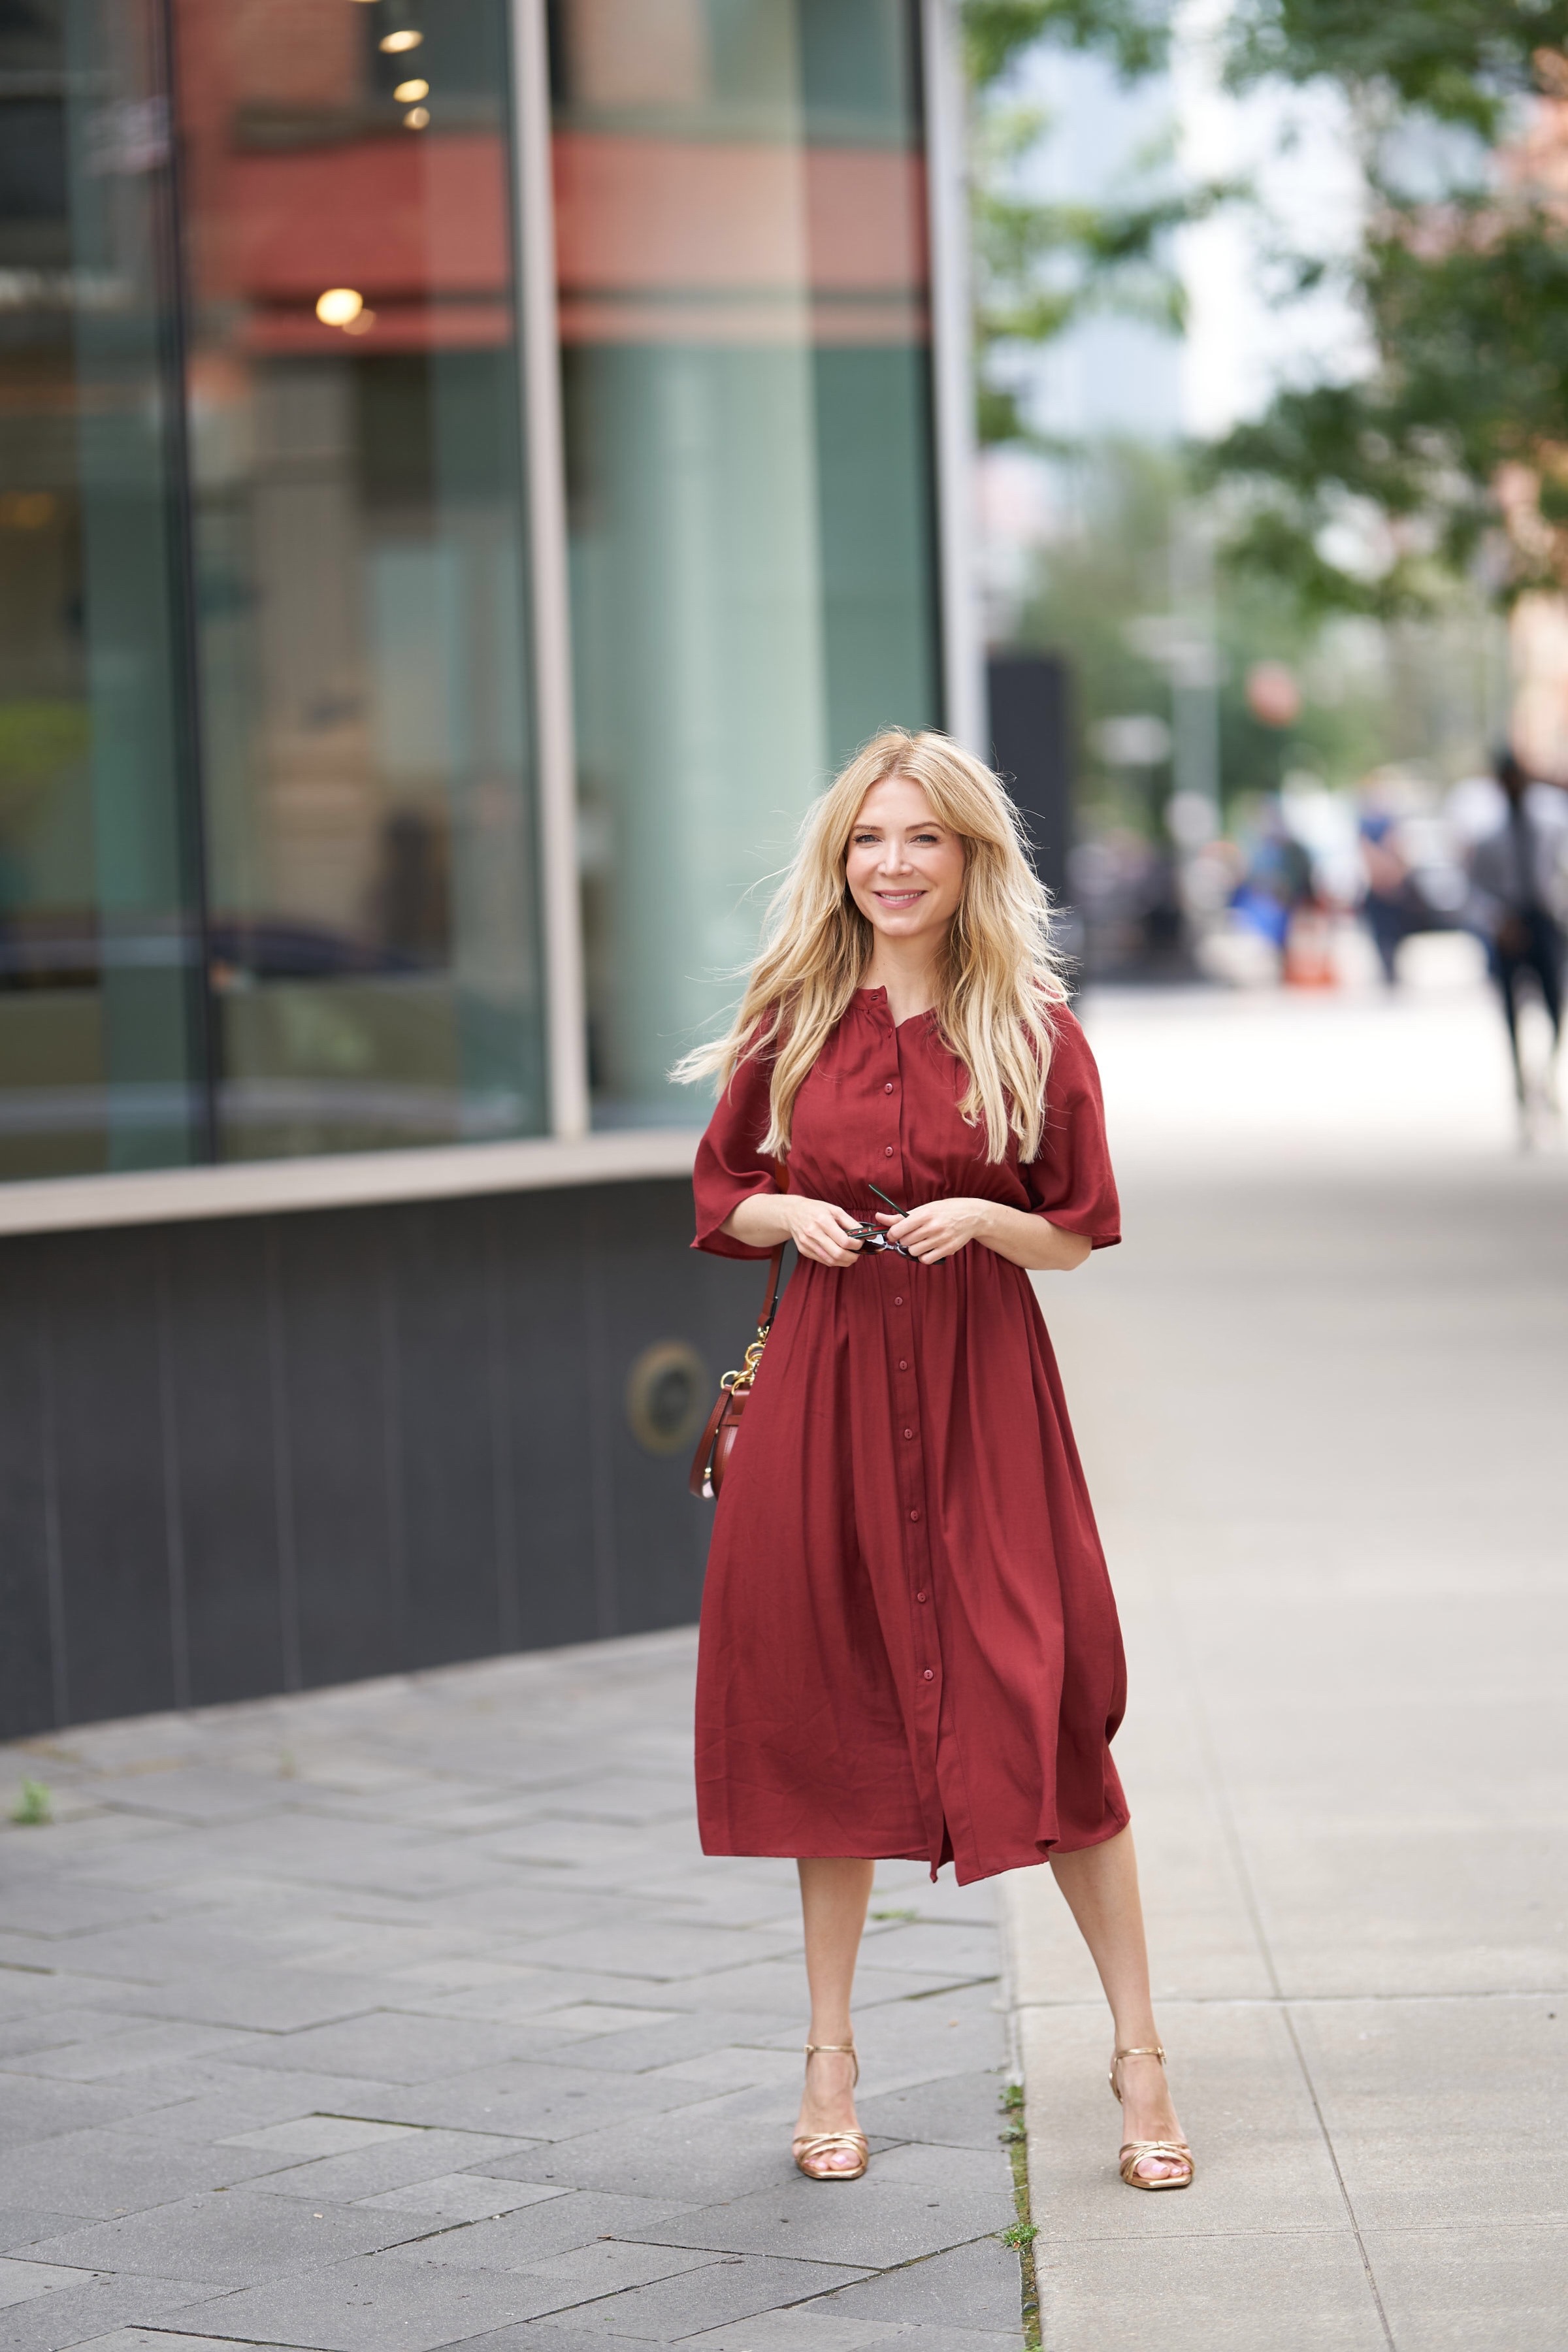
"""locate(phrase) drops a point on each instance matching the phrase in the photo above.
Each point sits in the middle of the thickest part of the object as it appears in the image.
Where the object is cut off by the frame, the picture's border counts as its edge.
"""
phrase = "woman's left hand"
(942, 1228)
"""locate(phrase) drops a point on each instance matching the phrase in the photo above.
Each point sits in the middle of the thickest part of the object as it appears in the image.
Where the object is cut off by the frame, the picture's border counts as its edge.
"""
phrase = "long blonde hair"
(997, 975)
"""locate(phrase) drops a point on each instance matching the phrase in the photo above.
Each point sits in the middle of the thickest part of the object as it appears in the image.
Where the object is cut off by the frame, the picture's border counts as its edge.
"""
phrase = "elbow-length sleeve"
(1071, 1184)
(730, 1164)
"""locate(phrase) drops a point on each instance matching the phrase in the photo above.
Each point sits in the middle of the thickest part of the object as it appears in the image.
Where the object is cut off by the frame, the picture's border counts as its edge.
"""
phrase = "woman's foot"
(829, 2142)
(1149, 2114)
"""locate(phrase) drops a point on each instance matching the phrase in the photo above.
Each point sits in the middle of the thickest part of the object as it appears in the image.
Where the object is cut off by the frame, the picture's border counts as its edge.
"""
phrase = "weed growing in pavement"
(34, 1805)
(904, 1916)
(1021, 2234)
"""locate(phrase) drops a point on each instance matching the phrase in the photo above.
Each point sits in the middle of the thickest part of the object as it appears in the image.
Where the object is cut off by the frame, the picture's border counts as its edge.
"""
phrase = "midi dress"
(908, 1643)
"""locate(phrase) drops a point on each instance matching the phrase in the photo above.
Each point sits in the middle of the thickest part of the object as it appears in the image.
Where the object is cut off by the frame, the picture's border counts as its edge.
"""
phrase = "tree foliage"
(1451, 453)
(1040, 266)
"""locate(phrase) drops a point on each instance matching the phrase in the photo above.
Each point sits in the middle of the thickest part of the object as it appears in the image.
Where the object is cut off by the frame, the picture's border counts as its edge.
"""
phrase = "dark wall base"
(264, 1453)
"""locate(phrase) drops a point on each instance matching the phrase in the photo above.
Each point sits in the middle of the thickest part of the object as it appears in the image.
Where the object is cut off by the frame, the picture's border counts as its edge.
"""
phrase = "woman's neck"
(907, 969)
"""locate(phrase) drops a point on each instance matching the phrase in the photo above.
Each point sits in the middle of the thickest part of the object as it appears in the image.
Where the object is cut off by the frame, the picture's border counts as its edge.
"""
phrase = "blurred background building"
(469, 471)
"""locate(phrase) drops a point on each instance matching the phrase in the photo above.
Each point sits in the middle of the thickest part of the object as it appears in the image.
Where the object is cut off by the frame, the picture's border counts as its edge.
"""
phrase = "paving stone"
(861, 2221)
(33, 2110)
(358, 2175)
(369, 2305)
(523, 2239)
(728, 2288)
(318, 2136)
(535, 2101)
(981, 2281)
(99, 2173)
(233, 2237)
(392, 2046)
(20, 2228)
(810, 2329)
(706, 2151)
(156, 2339)
(37, 2030)
(71, 2316)
(964, 2109)
(461, 2196)
(268, 1999)
(128, 2051)
(21, 2281)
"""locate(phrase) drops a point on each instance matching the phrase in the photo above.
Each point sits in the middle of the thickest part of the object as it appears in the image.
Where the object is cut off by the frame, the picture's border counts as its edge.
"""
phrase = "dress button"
(920, 1596)
(886, 1151)
(914, 1515)
(898, 1302)
(888, 1087)
(909, 1433)
(928, 1676)
(903, 1363)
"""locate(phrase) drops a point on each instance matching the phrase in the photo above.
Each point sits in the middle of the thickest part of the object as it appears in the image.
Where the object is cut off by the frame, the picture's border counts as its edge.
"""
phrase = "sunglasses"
(873, 1238)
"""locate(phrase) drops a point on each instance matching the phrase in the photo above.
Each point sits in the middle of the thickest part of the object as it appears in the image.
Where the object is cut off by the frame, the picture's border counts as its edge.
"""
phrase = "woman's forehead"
(896, 800)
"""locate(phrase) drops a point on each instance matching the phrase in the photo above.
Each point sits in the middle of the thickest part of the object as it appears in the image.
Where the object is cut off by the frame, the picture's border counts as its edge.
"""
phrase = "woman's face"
(904, 866)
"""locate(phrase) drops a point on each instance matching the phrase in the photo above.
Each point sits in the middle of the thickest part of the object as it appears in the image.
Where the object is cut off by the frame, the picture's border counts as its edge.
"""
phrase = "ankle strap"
(845, 2049)
(1156, 2053)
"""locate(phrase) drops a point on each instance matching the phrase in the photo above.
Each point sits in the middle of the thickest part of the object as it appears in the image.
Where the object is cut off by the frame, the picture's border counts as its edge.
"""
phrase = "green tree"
(1040, 267)
(1450, 457)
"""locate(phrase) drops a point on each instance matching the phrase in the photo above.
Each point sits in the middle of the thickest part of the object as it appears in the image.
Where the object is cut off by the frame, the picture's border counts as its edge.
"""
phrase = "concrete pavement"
(408, 2015)
(1322, 1394)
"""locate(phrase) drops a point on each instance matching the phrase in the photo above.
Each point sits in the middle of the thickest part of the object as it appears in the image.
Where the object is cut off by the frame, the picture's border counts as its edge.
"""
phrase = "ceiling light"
(416, 117)
(395, 43)
(339, 306)
(408, 92)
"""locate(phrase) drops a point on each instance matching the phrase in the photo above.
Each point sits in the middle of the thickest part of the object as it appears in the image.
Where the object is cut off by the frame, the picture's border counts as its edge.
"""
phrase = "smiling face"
(903, 866)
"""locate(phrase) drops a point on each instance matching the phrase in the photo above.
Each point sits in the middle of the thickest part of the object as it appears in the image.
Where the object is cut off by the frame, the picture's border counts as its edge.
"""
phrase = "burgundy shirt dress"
(909, 1646)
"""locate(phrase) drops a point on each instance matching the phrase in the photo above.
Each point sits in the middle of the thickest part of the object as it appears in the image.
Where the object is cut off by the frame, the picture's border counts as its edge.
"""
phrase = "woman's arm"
(1021, 1235)
(816, 1228)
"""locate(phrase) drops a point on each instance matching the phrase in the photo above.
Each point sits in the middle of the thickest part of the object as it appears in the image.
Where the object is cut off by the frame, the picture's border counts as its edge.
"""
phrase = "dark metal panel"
(334, 1305)
(1032, 747)
(231, 1481)
(445, 1428)
(106, 1396)
(27, 1697)
(645, 1295)
(545, 1404)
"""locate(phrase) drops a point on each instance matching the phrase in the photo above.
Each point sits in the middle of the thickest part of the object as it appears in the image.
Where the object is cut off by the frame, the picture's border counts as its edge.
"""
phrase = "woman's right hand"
(818, 1230)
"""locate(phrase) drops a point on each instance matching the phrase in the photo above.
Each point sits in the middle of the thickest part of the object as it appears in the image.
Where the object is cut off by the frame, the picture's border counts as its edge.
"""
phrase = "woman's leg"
(834, 1892)
(1101, 1885)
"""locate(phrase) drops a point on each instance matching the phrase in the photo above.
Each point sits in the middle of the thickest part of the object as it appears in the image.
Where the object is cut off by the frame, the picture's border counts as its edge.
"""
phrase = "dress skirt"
(909, 1645)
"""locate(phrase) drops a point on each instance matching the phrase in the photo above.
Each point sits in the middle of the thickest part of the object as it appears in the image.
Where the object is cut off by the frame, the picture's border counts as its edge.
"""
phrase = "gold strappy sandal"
(1133, 2151)
(820, 2144)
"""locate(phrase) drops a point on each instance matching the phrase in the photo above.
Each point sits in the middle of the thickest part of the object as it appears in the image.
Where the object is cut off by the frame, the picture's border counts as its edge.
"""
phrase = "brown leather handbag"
(717, 1441)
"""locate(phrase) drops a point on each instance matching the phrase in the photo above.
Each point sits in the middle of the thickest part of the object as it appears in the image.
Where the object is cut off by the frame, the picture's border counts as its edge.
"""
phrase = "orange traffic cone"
(1309, 950)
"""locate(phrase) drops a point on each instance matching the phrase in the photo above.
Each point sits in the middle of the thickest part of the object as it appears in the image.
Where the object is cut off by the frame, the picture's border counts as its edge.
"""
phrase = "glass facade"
(360, 558)
(744, 327)
(269, 806)
(101, 1041)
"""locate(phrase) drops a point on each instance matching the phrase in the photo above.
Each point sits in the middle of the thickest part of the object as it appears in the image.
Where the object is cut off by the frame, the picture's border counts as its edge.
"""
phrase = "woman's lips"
(896, 898)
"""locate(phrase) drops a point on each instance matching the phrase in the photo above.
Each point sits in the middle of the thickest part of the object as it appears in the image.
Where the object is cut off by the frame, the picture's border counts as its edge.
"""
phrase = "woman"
(909, 1646)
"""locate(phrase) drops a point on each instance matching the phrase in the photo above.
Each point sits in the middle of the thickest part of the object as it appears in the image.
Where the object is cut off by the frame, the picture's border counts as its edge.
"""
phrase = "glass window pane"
(744, 326)
(356, 438)
(100, 1003)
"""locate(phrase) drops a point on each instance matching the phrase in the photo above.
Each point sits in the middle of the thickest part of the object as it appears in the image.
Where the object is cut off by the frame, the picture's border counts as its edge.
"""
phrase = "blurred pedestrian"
(909, 1646)
(1519, 875)
(1385, 906)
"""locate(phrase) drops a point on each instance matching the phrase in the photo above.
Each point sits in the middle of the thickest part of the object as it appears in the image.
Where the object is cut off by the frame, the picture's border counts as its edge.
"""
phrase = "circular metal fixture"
(668, 1397)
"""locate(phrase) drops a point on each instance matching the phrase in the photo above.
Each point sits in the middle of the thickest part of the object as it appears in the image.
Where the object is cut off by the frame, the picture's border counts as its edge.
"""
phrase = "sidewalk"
(409, 2015)
(1322, 1394)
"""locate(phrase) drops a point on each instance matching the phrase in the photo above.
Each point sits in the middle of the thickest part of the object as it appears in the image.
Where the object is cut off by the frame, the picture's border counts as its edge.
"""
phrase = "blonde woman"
(910, 1647)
